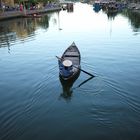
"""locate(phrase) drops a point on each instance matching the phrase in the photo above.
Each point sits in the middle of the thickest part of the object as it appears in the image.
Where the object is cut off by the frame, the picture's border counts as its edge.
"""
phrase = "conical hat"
(67, 63)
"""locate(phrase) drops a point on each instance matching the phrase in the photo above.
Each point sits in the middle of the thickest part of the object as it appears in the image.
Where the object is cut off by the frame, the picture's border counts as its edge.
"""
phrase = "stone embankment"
(16, 14)
(134, 6)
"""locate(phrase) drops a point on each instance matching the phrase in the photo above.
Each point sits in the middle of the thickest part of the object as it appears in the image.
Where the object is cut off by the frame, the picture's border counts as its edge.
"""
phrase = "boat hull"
(71, 53)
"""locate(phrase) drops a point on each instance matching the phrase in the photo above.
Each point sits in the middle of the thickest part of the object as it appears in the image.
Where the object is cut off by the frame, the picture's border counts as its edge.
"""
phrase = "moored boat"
(97, 6)
(69, 63)
(33, 16)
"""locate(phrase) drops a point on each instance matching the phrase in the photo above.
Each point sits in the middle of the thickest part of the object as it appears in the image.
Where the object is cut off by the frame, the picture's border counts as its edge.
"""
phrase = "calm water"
(33, 103)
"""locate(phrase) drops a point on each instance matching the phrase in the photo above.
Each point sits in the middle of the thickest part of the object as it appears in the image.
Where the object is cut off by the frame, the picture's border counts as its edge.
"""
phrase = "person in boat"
(66, 68)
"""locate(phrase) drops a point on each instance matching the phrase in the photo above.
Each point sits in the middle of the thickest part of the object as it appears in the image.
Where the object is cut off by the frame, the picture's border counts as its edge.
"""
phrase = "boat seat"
(71, 54)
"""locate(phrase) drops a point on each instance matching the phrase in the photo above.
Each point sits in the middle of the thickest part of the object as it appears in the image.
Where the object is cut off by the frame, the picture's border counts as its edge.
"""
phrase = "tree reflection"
(20, 28)
(134, 18)
(111, 15)
(6, 36)
(44, 22)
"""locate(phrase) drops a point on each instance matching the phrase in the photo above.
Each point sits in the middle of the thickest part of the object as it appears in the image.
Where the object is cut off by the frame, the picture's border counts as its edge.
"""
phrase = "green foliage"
(33, 1)
(41, 1)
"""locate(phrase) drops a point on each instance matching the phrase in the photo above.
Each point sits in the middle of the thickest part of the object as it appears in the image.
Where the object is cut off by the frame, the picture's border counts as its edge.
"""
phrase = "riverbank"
(135, 6)
(19, 14)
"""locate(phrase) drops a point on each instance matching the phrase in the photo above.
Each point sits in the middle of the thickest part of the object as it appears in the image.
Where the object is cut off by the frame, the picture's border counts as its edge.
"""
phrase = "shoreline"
(20, 14)
(134, 7)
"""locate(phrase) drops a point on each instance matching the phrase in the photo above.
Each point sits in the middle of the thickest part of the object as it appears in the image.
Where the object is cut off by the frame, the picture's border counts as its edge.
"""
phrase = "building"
(7, 2)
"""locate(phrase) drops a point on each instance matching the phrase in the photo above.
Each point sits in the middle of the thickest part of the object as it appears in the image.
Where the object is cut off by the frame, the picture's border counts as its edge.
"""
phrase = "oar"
(60, 59)
(84, 71)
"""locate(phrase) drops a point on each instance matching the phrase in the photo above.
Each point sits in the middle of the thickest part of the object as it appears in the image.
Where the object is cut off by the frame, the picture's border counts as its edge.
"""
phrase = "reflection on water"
(112, 15)
(67, 86)
(134, 18)
(23, 28)
(30, 88)
(85, 81)
(20, 28)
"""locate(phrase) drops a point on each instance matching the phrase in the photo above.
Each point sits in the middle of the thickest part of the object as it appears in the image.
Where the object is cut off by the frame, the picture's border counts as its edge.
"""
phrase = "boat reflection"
(67, 86)
(134, 19)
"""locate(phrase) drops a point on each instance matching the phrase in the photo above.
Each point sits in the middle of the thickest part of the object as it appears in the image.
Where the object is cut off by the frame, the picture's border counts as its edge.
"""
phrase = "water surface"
(33, 103)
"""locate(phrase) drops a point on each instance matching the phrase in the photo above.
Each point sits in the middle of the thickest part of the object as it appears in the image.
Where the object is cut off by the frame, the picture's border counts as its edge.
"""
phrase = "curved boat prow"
(72, 55)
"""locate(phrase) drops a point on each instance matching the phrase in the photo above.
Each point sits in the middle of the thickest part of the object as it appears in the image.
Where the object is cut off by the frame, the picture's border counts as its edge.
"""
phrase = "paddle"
(60, 59)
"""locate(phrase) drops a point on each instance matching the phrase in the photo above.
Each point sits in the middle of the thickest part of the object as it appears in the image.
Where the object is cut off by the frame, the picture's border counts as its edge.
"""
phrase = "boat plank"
(71, 53)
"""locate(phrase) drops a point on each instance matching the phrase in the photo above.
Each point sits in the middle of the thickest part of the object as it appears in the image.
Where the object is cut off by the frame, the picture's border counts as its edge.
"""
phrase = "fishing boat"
(69, 63)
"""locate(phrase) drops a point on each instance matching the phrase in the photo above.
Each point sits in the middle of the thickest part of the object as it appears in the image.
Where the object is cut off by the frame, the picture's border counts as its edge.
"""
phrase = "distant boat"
(97, 6)
(69, 63)
(33, 16)
(64, 7)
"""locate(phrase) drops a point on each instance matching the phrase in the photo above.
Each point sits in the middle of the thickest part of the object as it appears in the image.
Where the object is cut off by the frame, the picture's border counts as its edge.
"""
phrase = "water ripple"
(95, 85)
(129, 98)
(9, 125)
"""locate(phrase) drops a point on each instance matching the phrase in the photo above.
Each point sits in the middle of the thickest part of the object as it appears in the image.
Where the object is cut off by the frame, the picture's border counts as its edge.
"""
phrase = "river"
(34, 105)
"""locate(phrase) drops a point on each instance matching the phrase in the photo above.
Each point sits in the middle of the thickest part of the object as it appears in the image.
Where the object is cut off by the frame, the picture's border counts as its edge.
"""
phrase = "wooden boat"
(73, 57)
(33, 16)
